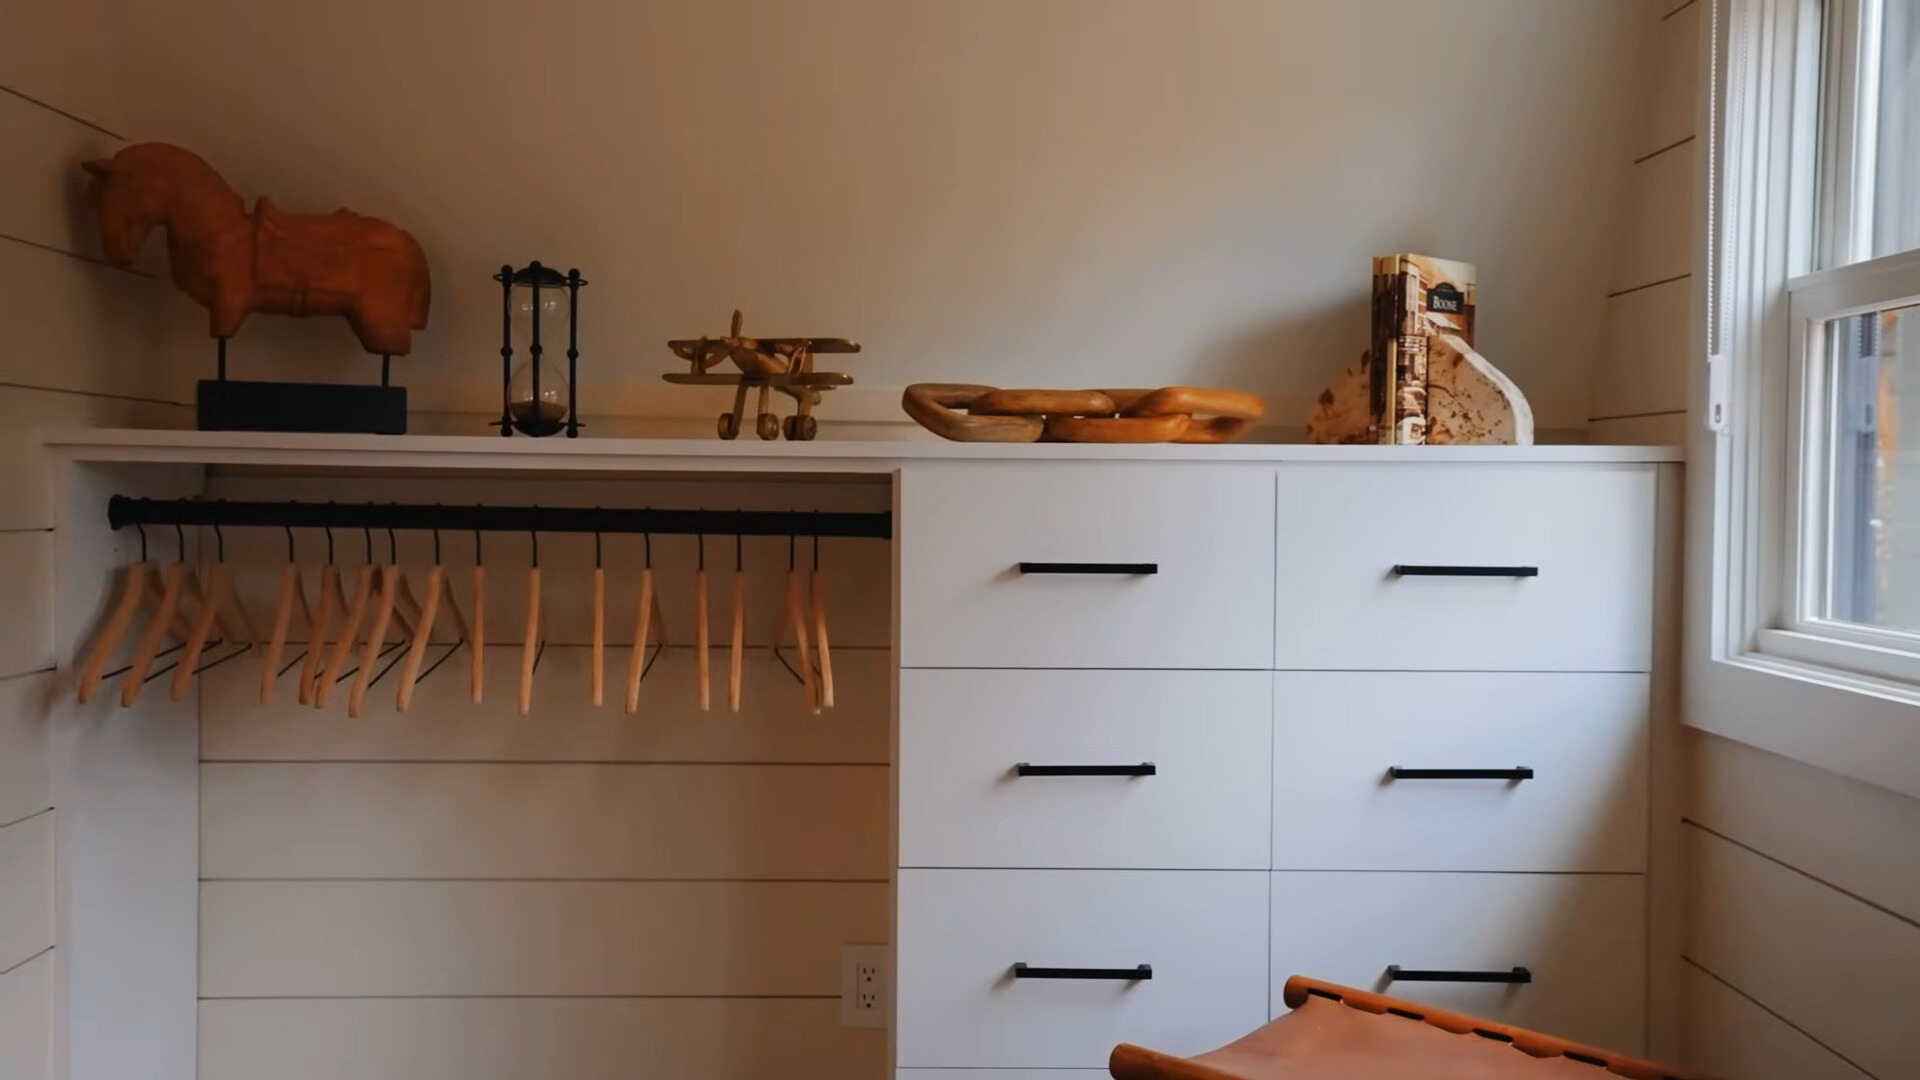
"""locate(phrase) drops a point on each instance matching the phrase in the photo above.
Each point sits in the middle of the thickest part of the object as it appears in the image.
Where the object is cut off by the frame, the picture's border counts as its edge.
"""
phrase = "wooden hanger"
(164, 619)
(700, 628)
(817, 597)
(293, 595)
(530, 644)
(349, 629)
(436, 597)
(389, 596)
(202, 627)
(330, 598)
(646, 615)
(793, 615)
(739, 629)
(598, 659)
(134, 583)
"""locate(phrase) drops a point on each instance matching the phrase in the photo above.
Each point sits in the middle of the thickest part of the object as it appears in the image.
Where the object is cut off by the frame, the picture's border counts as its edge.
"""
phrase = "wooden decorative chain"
(1185, 414)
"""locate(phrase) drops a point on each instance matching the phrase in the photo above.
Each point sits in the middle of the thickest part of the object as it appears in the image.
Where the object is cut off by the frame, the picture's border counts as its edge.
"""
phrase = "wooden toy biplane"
(766, 364)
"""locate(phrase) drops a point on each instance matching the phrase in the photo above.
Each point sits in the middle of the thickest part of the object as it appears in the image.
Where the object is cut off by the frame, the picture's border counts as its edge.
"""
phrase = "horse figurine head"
(235, 263)
(155, 184)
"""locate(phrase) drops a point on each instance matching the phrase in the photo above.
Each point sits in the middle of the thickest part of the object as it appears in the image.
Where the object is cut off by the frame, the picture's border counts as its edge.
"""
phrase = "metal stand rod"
(123, 511)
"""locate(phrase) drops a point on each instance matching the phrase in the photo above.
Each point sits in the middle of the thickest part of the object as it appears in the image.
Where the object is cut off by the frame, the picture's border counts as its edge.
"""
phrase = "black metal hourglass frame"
(537, 277)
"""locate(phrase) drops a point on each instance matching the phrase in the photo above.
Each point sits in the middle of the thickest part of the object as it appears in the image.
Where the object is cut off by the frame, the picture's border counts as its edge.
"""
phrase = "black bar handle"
(1518, 772)
(1396, 973)
(1123, 569)
(1140, 973)
(1415, 570)
(1145, 768)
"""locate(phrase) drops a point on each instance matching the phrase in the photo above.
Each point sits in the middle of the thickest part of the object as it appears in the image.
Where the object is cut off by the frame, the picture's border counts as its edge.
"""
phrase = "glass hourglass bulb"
(540, 410)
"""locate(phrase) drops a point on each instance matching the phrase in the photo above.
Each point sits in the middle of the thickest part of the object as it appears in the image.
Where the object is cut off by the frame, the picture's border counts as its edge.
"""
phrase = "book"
(1415, 298)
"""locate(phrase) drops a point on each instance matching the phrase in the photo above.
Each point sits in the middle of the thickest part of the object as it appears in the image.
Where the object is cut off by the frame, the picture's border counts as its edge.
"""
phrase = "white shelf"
(484, 452)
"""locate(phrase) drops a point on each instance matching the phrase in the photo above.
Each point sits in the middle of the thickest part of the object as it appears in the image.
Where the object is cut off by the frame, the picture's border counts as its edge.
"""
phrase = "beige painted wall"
(1063, 192)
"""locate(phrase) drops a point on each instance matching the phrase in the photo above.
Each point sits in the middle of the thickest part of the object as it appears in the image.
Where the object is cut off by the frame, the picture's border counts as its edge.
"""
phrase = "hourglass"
(537, 397)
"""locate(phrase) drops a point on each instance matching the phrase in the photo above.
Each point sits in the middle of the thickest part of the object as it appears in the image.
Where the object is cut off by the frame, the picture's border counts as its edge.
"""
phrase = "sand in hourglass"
(532, 416)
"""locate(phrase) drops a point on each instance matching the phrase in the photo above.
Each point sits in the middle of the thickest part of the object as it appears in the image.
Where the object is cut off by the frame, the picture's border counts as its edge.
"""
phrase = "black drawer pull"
(1127, 569)
(1405, 570)
(1396, 973)
(1517, 773)
(1125, 974)
(1145, 768)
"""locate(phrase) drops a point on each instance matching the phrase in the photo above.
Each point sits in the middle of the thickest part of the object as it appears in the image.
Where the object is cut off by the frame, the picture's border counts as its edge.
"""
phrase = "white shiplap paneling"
(1854, 836)
(26, 889)
(1658, 242)
(444, 725)
(1642, 365)
(1676, 80)
(1844, 972)
(1730, 1036)
(492, 938)
(80, 325)
(25, 412)
(1660, 429)
(26, 580)
(57, 51)
(544, 821)
(516, 1039)
(41, 184)
(25, 787)
(26, 1020)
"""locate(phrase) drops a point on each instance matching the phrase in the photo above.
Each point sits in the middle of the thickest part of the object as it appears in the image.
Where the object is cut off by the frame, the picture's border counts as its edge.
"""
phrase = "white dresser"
(1169, 733)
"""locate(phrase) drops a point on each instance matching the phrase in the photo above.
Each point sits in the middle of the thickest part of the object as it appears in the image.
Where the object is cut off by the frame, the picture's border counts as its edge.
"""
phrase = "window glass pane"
(1896, 183)
(1873, 542)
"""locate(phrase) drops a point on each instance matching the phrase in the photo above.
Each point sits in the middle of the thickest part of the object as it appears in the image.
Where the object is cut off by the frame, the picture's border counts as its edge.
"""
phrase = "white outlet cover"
(866, 986)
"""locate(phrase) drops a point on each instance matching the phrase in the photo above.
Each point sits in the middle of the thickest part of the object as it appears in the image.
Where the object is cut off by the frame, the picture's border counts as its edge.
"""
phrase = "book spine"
(1382, 354)
(1410, 378)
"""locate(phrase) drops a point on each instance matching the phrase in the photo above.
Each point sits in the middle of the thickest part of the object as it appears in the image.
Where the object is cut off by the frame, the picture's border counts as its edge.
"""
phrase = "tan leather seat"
(1339, 1033)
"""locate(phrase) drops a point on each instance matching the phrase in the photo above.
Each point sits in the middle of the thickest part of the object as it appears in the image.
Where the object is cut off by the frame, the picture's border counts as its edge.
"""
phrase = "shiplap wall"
(462, 891)
(1640, 372)
(79, 336)
(1802, 959)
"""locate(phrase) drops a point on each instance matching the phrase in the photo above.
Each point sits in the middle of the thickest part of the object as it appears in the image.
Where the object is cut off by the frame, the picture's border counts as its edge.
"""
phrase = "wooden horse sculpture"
(235, 263)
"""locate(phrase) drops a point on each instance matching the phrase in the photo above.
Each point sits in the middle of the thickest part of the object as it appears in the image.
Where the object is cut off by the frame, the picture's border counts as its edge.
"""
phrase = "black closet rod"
(123, 512)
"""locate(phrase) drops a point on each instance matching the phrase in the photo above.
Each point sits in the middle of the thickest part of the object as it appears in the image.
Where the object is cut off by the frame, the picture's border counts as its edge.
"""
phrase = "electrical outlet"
(866, 986)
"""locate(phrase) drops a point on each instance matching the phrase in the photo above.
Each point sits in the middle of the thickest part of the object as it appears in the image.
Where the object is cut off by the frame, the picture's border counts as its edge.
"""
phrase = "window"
(1809, 509)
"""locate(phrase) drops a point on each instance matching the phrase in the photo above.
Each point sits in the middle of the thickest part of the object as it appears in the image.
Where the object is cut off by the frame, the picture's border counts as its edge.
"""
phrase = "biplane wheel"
(768, 426)
(801, 428)
(729, 426)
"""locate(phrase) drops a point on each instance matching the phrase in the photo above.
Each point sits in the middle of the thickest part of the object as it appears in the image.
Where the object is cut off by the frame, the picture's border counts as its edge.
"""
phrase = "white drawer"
(1581, 936)
(966, 530)
(1586, 529)
(1337, 807)
(961, 932)
(965, 734)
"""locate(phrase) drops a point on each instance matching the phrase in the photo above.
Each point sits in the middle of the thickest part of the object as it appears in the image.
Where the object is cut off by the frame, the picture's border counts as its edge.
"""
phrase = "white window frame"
(1783, 228)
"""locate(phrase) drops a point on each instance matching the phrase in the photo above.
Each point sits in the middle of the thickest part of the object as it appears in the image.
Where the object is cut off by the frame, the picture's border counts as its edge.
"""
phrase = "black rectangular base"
(335, 408)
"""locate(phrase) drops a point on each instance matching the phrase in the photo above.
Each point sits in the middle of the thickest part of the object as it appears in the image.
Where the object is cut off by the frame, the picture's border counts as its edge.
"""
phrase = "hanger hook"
(649, 542)
(367, 533)
(329, 531)
(436, 543)
(393, 548)
(180, 540)
(793, 541)
(737, 567)
(477, 560)
(596, 544)
(535, 533)
(142, 529)
(290, 552)
(219, 544)
(702, 564)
